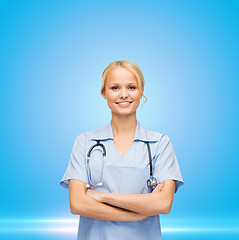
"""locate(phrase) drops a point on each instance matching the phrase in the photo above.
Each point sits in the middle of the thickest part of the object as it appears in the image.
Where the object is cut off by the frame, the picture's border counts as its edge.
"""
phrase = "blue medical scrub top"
(122, 174)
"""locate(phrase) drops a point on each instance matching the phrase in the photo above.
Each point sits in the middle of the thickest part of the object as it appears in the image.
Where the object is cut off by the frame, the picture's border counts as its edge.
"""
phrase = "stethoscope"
(152, 181)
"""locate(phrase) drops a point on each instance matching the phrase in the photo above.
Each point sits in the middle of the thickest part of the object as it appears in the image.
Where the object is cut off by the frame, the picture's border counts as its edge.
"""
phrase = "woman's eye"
(114, 88)
(132, 87)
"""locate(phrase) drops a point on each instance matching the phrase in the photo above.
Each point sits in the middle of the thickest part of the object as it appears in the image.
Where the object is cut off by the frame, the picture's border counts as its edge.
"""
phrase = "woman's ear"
(104, 95)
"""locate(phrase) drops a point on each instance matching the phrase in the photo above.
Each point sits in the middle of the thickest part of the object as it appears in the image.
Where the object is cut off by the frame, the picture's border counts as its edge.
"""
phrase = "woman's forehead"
(121, 75)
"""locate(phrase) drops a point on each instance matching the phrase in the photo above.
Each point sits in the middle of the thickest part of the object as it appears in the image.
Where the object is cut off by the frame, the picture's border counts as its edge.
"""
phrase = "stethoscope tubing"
(152, 182)
(97, 144)
(99, 183)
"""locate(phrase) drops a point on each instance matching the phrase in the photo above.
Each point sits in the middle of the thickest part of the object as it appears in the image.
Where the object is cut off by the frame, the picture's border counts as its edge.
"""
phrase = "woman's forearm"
(84, 205)
(89, 207)
(147, 204)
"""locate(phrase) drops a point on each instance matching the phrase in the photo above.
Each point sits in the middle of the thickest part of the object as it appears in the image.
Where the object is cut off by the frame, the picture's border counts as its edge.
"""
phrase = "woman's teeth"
(124, 103)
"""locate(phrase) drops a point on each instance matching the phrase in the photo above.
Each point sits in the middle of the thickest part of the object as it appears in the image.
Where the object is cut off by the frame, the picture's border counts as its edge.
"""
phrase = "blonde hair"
(128, 65)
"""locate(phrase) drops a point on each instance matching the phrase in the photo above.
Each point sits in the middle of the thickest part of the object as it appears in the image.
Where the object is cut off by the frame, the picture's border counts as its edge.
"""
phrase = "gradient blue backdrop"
(52, 54)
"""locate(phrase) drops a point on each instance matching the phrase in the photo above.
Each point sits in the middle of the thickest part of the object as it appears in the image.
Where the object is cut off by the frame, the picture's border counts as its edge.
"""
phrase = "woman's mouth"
(123, 103)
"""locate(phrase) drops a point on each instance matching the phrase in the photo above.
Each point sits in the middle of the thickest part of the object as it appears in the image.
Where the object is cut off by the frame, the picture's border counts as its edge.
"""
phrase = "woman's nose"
(123, 93)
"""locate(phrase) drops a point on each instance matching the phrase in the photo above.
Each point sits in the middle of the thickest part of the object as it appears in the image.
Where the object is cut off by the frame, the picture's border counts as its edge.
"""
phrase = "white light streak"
(71, 226)
(39, 220)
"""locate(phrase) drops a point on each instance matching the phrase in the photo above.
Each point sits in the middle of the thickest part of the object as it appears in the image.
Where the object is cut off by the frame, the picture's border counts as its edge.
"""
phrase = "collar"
(140, 133)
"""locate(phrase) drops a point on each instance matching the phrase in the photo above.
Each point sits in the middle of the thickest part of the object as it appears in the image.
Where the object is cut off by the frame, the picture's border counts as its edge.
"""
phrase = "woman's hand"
(158, 188)
(98, 196)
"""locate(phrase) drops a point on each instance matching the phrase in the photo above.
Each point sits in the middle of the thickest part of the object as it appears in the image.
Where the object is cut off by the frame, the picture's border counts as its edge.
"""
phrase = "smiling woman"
(139, 172)
(128, 70)
(122, 91)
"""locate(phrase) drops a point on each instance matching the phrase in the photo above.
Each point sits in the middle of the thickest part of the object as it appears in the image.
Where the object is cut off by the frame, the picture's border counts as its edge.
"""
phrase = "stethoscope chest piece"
(152, 182)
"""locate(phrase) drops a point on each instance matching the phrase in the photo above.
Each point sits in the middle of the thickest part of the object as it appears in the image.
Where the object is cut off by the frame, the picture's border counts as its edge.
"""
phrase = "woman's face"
(122, 91)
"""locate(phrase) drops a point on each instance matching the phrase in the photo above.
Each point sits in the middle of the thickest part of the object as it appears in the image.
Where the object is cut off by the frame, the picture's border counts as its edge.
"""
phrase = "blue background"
(52, 55)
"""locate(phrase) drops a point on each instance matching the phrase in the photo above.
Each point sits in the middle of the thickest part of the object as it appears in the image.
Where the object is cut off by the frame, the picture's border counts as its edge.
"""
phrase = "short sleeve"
(77, 164)
(166, 164)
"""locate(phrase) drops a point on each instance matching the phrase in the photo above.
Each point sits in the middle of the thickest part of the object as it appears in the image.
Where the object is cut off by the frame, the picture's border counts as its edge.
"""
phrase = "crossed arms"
(126, 207)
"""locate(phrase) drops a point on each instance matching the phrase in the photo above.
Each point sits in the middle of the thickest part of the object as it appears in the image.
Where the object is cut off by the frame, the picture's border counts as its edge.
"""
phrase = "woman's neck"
(123, 125)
